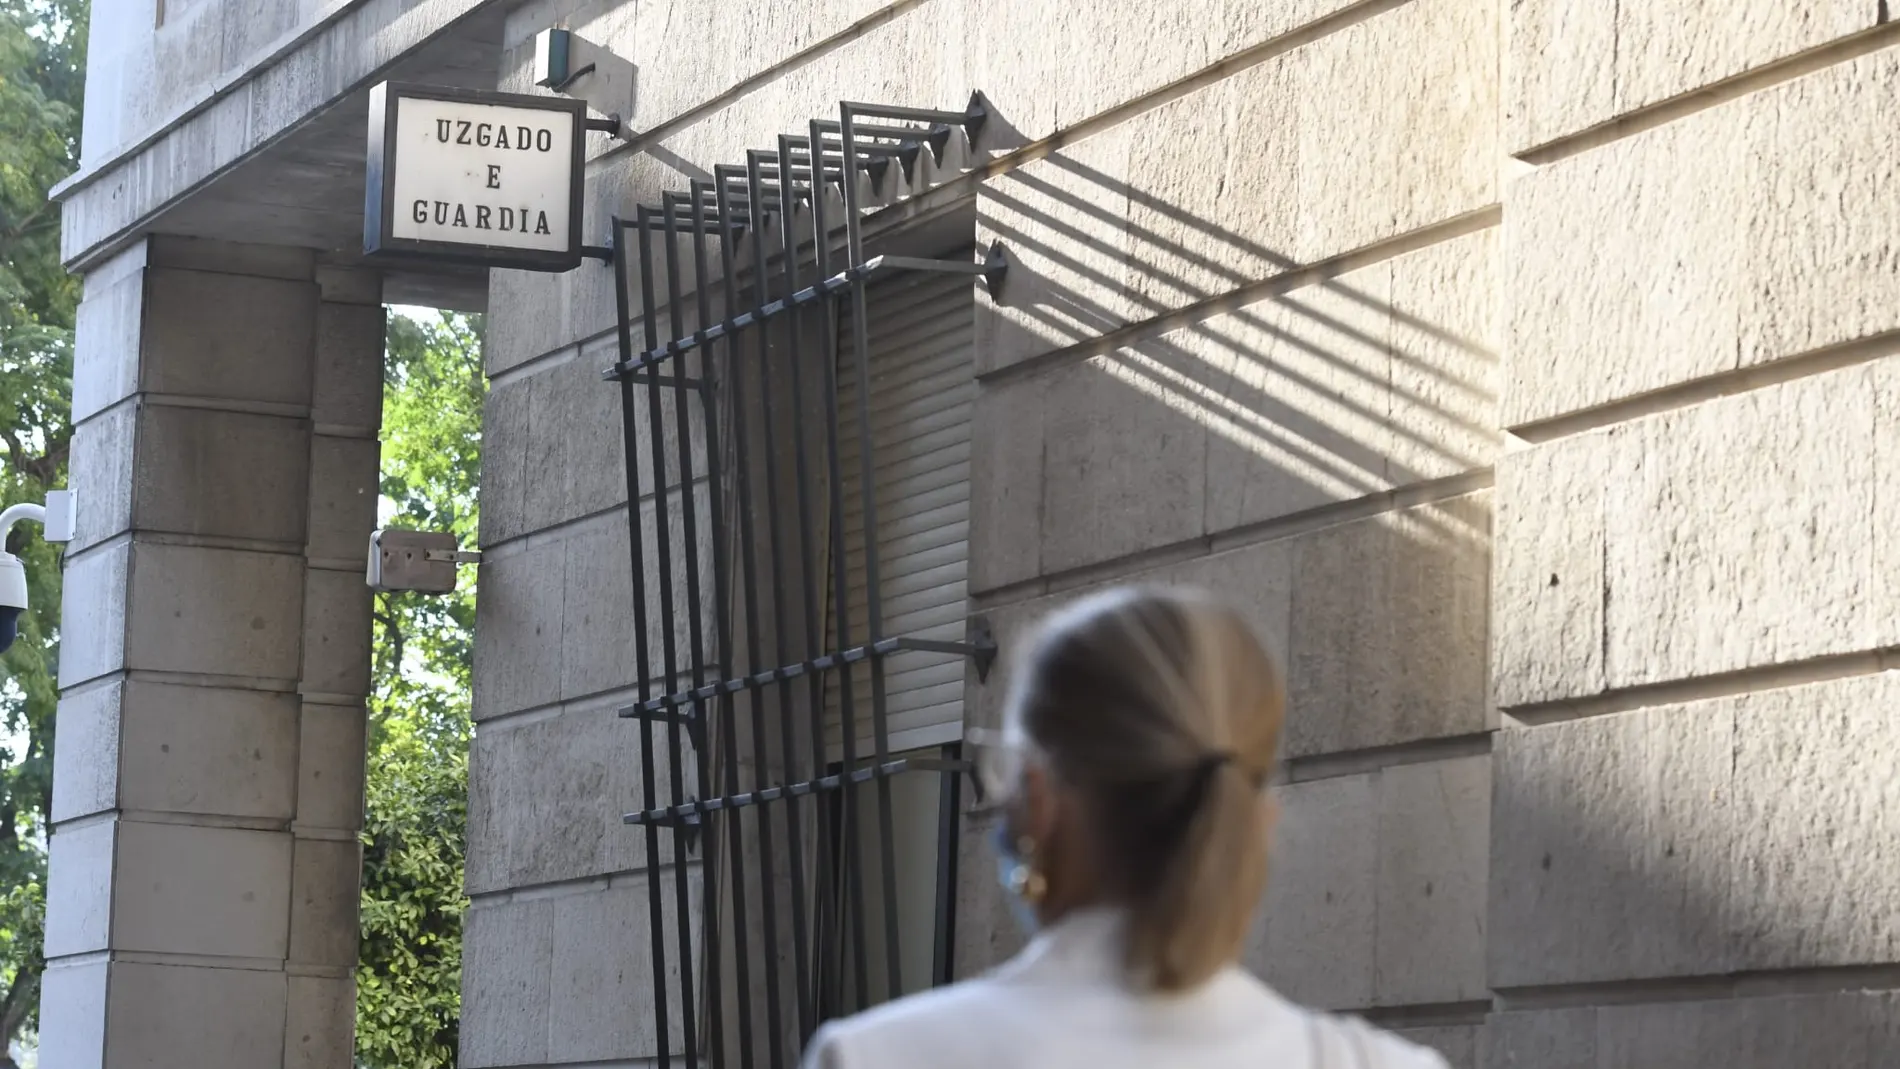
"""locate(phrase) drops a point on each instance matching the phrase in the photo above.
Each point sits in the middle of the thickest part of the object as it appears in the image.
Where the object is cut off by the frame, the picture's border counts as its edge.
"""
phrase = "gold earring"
(1025, 880)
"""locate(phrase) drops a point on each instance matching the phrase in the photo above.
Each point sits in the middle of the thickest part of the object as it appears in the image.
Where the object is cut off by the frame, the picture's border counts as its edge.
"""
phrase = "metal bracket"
(459, 556)
(603, 253)
(982, 643)
(995, 267)
(567, 64)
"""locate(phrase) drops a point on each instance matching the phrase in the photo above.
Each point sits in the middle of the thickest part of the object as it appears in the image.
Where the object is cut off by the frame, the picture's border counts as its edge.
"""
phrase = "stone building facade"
(1526, 369)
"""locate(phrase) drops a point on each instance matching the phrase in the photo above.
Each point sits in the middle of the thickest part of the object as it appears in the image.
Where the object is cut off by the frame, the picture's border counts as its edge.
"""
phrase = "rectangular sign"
(462, 176)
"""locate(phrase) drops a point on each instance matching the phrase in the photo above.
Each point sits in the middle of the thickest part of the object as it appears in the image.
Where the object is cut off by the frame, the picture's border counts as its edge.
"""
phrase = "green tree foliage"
(408, 983)
(42, 88)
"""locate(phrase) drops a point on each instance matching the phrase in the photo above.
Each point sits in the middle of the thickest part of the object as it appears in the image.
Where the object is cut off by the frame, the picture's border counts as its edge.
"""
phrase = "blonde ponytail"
(1163, 711)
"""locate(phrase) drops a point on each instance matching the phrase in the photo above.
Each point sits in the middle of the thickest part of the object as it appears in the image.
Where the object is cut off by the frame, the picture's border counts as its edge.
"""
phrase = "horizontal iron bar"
(835, 284)
(662, 708)
(687, 816)
(901, 114)
(666, 380)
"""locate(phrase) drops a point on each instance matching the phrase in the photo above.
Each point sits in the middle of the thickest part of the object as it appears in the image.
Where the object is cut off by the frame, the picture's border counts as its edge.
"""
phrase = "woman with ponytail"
(1134, 756)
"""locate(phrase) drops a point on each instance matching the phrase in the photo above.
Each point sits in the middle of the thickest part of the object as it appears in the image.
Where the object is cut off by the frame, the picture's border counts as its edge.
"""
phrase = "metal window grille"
(751, 556)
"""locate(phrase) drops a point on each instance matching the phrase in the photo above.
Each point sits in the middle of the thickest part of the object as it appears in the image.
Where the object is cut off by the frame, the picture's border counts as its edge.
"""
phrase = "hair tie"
(1212, 763)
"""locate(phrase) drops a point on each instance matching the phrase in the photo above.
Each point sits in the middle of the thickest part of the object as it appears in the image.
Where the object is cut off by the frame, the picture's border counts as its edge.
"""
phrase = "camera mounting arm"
(57, 516)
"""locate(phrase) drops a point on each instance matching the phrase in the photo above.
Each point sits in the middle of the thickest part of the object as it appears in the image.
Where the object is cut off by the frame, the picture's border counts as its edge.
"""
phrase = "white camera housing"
(57, 516)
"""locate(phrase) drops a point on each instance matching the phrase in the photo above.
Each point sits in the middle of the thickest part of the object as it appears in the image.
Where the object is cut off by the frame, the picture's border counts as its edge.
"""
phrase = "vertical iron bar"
(695, 620)
(949, 810)
(788, 203)
(874, 605)
(642, 659)
(810, 564)
(742, 478)
(715, 459)
(814, 627)
(762, 293)
(841, 588)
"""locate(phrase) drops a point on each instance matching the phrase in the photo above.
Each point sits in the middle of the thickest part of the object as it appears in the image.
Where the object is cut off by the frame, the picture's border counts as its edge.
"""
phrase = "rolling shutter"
(920, 330)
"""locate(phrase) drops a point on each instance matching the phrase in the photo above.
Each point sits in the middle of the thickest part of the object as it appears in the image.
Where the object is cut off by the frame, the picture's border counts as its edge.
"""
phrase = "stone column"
(214, 663)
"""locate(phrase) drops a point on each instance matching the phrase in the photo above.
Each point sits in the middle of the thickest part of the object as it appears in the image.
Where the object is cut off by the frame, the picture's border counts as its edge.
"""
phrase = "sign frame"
(379, 197)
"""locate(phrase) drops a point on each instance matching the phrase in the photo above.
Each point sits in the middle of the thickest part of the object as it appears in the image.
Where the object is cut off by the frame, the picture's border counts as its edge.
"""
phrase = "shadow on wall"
(1633, 883)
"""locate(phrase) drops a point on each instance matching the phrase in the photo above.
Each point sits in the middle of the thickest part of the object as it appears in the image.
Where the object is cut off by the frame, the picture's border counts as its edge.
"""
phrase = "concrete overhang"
(274, 154)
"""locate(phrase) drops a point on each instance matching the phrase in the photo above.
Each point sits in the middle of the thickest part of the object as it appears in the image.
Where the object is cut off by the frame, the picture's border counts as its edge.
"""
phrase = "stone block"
(336, 639)
(187, 58)
(1610, 848)
(325, 885)
(601, 999)
(1848, 1028)
(1298, 399)
(1634, 269)
(1434, 852)
(1006, 491)
(1815, 832)
(1316, 941)
(73, 1014)
(163, 1015)
(92, 614)
(207, 750)
(227, 336)
(1830, 137)
(507, 976)
(1623, 266)
(214, 611)
(506, 435)
(561, 418)
(224, 474)
(518, 627)
(1756, 548)
(1123, 463)
(1199, 224)
(330, 767)
(103, 459)
(343, 495)
(1183, 202)
(107, 339)
(1257, 580)
(1542, 1039)
(1547, 591)
(1065, 221)
(1446, 328)
(987, 931)
(1389, 628)
(320, 1023)
(79, 882)
(597, 634)
(1560, 71)
(288, 263)
(546, 798)
(1461, 1046)
(1386, 148)
(86, 752)
(252, 25)
(179, 889)
(1575, 64)
(348, 386)
(1736, 834)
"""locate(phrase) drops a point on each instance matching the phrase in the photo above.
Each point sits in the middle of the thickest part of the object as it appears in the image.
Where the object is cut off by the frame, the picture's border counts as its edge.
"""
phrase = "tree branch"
(19, 1002)
(388, 620)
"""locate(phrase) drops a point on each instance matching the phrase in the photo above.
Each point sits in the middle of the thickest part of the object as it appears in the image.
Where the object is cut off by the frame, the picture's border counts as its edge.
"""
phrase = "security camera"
(57, 517)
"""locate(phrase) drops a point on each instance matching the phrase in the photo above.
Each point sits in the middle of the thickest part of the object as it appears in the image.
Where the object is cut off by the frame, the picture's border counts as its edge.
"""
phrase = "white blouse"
(1063, 1004)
